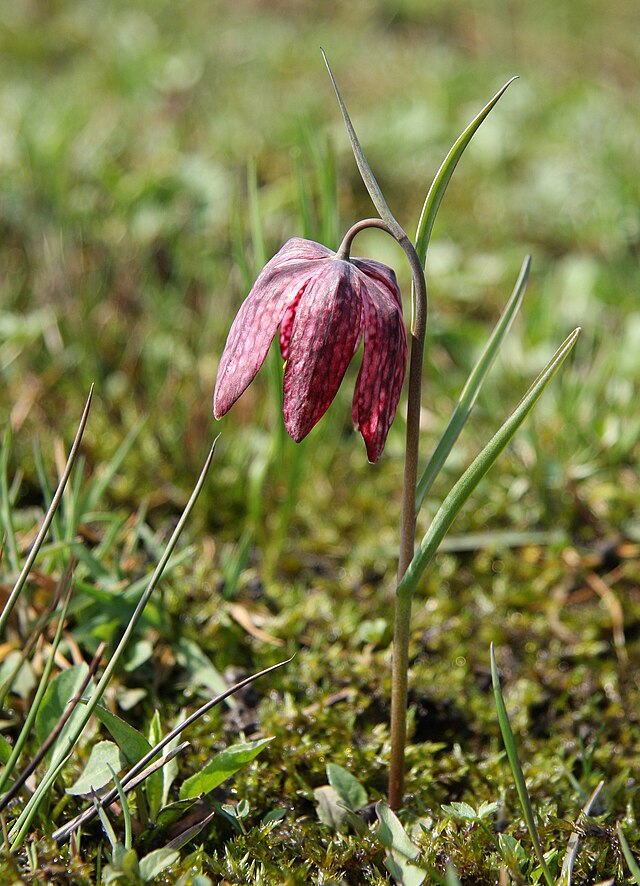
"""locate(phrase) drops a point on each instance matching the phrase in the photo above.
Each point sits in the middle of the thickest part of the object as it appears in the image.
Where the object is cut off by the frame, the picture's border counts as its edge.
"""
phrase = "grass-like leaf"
(21, 826)
(574, 840)
(10, 543)
(516, 770)
(628, 855)
(46, 523)
(472, 387)
(443, 176)
(20, 742)
(366, 173)
(126, 811)
(460, 493)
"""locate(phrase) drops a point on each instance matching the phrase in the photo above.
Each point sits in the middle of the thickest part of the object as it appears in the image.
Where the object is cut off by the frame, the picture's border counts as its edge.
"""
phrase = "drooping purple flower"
(323, 306)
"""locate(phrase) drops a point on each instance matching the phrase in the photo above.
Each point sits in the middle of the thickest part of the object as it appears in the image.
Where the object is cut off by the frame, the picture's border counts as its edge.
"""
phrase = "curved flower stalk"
(323, 303)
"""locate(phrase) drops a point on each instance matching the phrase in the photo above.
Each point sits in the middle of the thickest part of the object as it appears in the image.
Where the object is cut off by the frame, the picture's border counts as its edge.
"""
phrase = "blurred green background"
(152, 156)
(130, 140)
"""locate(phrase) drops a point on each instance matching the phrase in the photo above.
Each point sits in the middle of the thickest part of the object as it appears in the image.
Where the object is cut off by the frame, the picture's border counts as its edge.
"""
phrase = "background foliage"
(152, 155)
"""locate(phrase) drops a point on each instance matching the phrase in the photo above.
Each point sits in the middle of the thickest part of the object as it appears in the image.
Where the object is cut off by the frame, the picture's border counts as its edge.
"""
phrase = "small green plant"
(65, 702)
(322, 304)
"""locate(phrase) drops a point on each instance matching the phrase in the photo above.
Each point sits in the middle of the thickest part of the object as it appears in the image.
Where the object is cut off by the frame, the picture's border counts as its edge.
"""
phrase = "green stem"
(402, 620)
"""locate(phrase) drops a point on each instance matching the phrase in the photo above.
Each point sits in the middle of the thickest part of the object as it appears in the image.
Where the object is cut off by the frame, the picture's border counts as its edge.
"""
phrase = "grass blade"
(20, 828)
(574, 840)
(628, 855)
(443, 176)
(126, 811)
(452, 876)
(66, 583)
(453, 503)
(46, 523)
(472, 387)
(10, 542)
(516, 769)
(56, 731)
(366, 173)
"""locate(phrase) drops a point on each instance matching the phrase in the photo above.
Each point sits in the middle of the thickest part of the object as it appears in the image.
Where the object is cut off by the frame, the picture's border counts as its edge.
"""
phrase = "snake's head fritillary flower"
(323, 306)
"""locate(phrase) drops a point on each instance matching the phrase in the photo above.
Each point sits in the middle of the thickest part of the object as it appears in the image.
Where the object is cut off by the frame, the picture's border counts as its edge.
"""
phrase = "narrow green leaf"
(304, 197)
(10, 541)
(462, 490)
(574, 839)
(21, 826)
(153, 784)
(443, 176)
(170, 771)
(223, 765)
(452, 876)
(366, 173)
(472, 387)
(46, 523)
(104, 759)
(107, 827)
(43, 685)
(348, 788)
(255, 218)
(628, 855)
(45, 487)
(124, 805)
(71, 503)
(516, 769)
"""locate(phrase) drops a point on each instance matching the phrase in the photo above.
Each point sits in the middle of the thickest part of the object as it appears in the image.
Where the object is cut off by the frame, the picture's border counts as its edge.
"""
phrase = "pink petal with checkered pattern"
(281, 282)
(323, 338)
(384, 361)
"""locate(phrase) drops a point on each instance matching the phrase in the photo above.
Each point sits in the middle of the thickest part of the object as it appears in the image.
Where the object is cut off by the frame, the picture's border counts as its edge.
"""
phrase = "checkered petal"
(281, 282)
(384, 361)
(323, 338)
